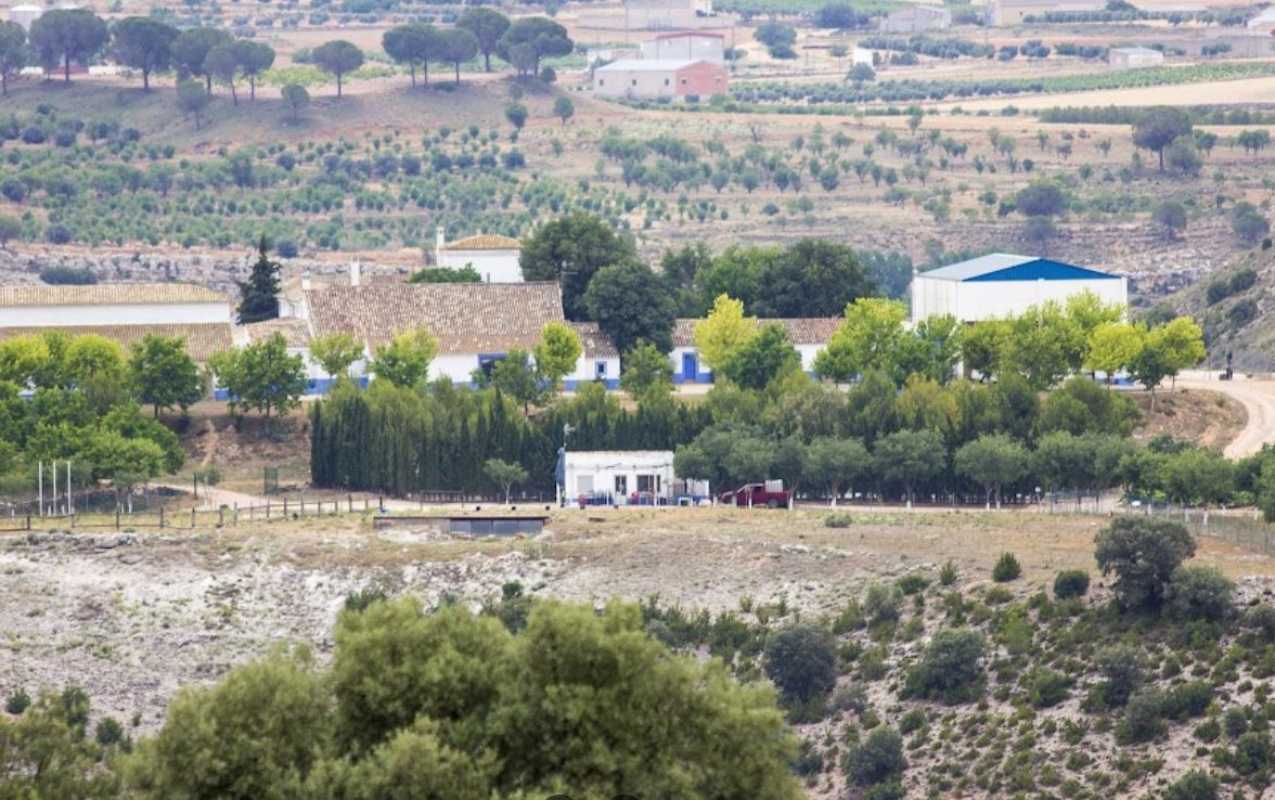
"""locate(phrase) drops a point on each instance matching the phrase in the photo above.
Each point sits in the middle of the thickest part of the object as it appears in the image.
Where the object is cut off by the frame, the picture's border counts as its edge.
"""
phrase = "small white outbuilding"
(624, 477)
(1003, 285)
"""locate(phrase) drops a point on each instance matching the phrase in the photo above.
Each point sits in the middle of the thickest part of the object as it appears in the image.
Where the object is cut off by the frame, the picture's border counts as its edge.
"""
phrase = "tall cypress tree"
(259, 295)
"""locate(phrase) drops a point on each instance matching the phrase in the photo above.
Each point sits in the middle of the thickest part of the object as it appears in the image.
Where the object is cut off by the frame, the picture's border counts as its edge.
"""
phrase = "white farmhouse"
(124, 312)
(476, 324)
(495, 258)
(624, 477)
(1002, 285)
(917, 19)
(808, 337)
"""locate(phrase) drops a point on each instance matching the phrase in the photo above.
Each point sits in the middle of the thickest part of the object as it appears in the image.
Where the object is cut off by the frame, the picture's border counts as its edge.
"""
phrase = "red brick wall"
(702, 79)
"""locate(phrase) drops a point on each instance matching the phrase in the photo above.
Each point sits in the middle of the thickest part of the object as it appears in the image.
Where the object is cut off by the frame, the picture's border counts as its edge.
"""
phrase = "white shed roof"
(1136, 51)
(965, 270)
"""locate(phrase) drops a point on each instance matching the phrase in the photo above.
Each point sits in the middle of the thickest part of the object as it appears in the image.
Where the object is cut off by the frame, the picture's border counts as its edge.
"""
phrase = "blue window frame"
(600, 369)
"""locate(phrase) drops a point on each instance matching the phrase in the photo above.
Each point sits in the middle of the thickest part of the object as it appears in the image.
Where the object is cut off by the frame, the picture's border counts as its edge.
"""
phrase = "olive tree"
(1143, 552)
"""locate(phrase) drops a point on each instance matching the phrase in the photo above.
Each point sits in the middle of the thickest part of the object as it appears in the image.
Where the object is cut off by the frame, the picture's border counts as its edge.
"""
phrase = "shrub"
(877, 760)
(17, 702)
(360, 600)
(1207, 731)
(1197, 592)
(1235, 721)
(1261, 618)
(1007, 568)
(802, 662)
(948, 575)
(1143, 717)
(1047, 688)
(1194, 785)
(58, 234)
(109, 732)
(912, 721)
(1143, 553)
(1252, 753)
(13, 190)
(839, 519)
(951, 668)
(33, 134)
(1071, 583)
(67, 276)
(1188, 700)
(809, 760)
(1121, 666)
(881, 603)
(912, 584)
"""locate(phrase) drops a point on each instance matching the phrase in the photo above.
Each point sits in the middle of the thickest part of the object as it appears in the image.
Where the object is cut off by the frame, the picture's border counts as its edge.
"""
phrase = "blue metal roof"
(1008, 267)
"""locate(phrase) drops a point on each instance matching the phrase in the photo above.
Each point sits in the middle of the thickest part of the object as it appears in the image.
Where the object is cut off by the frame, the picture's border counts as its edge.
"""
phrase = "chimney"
(355, 273)
(305, 281)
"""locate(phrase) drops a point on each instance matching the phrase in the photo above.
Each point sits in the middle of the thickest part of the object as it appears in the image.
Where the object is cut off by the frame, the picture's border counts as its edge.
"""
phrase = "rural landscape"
(734, 399)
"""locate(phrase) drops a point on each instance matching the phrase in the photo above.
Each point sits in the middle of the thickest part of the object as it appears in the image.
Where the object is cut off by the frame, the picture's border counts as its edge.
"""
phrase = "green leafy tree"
(867, 339)
(1153, 363)
(259, 295)
(222, 65)
(465, 274)
(458, 46)
(802, 662)
(262, 376)
(504, 475)
(1113, 346)
(487, 25)
(811, 278)
(723, 332)
(571, 250)
(837, 464)
(992, 461)
(516, 113)
(557, 352)
(144, 44)
(1044, 345)
(1158, 128)
(414, 44)
(10, 229)
(983, 345)
(254, 59)
(297, 98)
(647, 375)
(529, 39)
(951, 668)
(1170, 215)
(47, 754)
(164, 375)
(764, 358)
(909, 458)
(405, 359)
(338, 58)
(336, 352)
(516, 377)
(564, 109)
(190, 50)
(61, 36)
(631, 306)
(14, 53)
(878, 761)
(1143, 553)
(193, 99)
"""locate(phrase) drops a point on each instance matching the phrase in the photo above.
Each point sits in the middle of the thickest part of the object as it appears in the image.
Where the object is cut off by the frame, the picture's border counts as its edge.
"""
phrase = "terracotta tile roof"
(595, 343)
(484, 241)
(202, 340)
(813, 330)
(464, 317)
(295, 331)
(102, 294)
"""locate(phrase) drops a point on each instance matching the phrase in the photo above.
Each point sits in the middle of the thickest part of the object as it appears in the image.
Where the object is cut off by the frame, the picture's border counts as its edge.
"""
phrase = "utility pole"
(40, 470)
(70, 501)
(55, 488)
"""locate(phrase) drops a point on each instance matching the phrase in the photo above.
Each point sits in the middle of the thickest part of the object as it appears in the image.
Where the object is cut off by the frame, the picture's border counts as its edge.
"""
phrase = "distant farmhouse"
(808, 336)
(917, 19)
(495, 258)
(1002, 285)
(123, 312)
(1134, 57)
(665, 14)
(476, 325)
(651, 78)
(1004, 13)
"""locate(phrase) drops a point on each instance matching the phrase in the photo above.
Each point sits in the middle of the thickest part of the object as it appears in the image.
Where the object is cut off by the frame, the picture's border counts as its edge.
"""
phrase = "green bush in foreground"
(1007, 568)
(1071, 583)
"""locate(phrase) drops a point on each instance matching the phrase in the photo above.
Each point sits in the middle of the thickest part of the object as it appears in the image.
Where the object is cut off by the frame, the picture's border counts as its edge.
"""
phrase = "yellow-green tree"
(720, 335)
(1182, 342)
(983, 346)
(405, 360)
(1088, 311)
(557, 352)
(1113, 346)
(868, 338)
(335, 352)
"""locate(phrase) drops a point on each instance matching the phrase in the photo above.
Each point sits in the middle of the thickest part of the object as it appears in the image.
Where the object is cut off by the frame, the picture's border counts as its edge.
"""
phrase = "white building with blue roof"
(1003, 285)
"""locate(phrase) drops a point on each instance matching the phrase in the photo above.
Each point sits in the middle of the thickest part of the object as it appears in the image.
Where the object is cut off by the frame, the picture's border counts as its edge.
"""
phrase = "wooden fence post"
(161, 517)
(350, 499)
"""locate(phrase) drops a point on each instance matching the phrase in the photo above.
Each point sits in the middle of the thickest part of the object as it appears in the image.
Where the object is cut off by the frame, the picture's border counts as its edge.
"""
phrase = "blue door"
(690, 367)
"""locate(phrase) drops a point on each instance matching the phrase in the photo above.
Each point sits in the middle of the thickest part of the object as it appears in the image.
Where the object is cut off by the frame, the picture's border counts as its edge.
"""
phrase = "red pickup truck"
(770, 494)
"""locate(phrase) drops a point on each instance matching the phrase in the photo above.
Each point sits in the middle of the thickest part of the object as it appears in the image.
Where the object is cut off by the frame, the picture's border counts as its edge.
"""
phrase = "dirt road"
(1258, 398)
